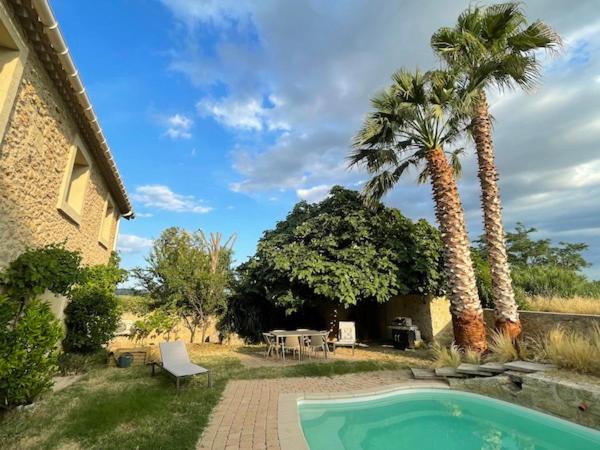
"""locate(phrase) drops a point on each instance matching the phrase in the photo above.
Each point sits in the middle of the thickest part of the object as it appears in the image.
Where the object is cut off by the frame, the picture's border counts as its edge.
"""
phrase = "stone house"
(58, 180)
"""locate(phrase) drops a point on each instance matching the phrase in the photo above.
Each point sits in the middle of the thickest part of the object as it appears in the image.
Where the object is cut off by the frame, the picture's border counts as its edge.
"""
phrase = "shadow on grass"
(127, 408)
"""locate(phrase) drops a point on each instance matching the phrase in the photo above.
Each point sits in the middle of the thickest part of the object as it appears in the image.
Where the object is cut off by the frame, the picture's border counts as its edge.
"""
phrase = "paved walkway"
(246, 417)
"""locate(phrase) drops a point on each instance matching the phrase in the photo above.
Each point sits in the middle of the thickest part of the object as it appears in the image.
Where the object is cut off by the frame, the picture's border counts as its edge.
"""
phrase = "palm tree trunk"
(465, 307)
(505, 307)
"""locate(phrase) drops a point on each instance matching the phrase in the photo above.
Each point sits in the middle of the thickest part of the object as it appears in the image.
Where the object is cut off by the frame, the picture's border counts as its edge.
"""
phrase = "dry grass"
(502, 348)
(577, 305)
(446, 356)
(571, 349)
(471, 357)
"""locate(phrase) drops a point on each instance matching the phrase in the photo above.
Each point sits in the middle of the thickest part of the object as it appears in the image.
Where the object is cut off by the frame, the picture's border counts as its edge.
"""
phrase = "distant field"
(578, 305)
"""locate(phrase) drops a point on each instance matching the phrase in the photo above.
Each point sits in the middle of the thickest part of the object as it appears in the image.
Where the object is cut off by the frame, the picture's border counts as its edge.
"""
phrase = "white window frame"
(63, 205)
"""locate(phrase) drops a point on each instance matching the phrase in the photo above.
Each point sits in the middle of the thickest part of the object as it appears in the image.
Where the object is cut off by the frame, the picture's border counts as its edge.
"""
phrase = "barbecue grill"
(404, 333)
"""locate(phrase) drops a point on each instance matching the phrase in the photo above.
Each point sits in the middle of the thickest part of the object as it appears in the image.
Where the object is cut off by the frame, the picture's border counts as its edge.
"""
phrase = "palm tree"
(494, 46)
(414, 119)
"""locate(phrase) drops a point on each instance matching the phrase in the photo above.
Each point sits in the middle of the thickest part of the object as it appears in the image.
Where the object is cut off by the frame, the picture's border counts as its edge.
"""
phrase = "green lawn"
(128, 409)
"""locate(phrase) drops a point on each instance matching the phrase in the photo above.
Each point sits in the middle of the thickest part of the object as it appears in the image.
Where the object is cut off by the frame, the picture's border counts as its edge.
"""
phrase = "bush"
(29, 332)
(93, 313)
(28, 350)
(572, 349)
(502, 348)
(552, 281)
(92, 317)
(35, 271)
(446, 356)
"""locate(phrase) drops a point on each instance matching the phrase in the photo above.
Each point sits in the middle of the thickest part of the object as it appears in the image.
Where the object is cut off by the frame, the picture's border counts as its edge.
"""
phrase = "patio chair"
(176, 361)
(346, 336)
(291, 343)
(317, 341)
(272, 344)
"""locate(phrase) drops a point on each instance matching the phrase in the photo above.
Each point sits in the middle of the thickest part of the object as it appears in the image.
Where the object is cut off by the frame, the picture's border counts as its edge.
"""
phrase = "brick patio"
(246, 417)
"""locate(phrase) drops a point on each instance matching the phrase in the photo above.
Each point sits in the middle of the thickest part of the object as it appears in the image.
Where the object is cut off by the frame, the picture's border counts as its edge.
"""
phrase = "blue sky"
(223, 114)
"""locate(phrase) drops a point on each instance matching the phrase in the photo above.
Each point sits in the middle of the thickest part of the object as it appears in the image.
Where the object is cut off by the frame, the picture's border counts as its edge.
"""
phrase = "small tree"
(187, 275)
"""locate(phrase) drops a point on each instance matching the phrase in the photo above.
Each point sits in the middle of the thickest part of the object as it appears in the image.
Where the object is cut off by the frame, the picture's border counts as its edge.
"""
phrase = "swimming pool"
(423, 419)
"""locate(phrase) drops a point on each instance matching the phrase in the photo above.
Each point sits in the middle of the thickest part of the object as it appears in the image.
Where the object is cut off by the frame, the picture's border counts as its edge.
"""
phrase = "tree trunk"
(465, 307)
(505, 307)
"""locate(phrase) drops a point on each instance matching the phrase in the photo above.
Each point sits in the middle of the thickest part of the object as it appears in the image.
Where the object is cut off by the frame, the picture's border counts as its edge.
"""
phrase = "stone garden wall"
(569, 396)
(537, 322)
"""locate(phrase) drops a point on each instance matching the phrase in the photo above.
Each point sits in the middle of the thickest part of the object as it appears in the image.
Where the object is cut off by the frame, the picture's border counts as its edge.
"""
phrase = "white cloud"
(162, 197)
(319, 71)
(179, 126)
(130, 243)
(247, 114)
(140, 215)
(314, 194)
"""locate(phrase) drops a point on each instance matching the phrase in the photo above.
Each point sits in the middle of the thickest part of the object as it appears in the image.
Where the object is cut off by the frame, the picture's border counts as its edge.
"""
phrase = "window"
(75, 183)
(12, 57)
(108, 222)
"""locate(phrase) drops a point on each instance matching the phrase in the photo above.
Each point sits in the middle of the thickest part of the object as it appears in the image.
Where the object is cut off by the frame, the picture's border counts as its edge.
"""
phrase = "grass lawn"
(128, 409)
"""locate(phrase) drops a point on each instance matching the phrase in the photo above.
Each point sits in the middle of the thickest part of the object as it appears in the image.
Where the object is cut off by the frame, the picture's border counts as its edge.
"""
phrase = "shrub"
(446, 356)
(28, 350)
(92, 317)
(552, 281)
(471, 356)
(35, 271)
(29, 333)
(571, 349)
(502, 348)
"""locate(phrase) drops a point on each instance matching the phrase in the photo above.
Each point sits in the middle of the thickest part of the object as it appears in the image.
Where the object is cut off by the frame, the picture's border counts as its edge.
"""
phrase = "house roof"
(40, 26)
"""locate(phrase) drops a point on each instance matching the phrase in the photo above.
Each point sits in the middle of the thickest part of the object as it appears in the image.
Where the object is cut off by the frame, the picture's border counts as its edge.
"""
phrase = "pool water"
(424, 419)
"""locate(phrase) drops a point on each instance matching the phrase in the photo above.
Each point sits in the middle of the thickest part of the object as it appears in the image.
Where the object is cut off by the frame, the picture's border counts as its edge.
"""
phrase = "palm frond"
(383, 182)
(456, 163)
(538, 35)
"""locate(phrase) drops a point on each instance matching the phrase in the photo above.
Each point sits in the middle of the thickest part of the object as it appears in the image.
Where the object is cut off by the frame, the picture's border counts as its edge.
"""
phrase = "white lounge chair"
(176, 361)
(346, 336)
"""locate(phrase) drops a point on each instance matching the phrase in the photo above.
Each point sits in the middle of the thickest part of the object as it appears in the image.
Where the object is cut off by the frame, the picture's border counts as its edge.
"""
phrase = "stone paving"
(246, 417)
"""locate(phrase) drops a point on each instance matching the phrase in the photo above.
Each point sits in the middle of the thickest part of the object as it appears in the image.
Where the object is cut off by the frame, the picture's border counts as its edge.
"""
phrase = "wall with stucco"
(33, 159)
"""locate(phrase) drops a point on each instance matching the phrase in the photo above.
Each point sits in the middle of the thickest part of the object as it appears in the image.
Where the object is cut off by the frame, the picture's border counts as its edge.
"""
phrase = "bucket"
(125, 360)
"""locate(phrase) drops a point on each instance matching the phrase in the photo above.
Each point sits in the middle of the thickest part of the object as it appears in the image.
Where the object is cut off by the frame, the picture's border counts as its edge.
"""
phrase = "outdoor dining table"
(280, 335)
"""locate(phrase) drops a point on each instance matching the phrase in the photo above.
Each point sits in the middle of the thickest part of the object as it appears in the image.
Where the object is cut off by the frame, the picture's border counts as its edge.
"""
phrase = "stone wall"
(570, 396)
(537, 322)
(33, 161)
(431, 315)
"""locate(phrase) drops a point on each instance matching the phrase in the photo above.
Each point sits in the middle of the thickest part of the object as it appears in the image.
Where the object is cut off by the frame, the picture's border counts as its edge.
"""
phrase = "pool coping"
(289, 429)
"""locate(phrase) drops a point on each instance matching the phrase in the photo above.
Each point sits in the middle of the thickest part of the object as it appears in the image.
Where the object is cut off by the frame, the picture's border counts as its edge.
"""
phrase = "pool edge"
(289, 428)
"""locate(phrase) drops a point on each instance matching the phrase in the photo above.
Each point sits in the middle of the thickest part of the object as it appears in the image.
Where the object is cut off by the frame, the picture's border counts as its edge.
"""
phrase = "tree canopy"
(187, 276)
(340, 250)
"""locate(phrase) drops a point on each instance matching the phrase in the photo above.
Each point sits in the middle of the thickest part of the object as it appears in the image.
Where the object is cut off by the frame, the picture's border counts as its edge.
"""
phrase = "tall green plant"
(494, 46)
(414, 122)
(93, 313)
(29, 332)
(187, 276)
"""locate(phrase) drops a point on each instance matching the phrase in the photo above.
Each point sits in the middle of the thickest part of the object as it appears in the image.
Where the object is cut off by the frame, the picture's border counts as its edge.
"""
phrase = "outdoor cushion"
(185, 369)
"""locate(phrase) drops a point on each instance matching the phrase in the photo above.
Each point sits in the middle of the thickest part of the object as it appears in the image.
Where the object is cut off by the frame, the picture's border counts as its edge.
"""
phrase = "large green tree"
(415, 120)
(494, 46)
(187, 275)
(340, 252)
